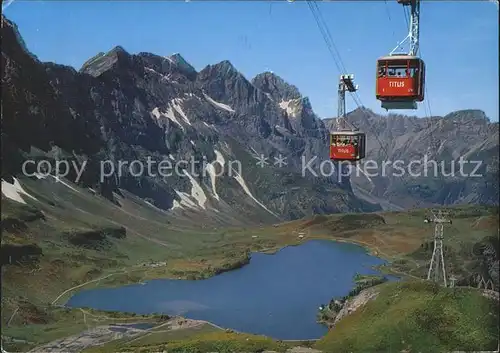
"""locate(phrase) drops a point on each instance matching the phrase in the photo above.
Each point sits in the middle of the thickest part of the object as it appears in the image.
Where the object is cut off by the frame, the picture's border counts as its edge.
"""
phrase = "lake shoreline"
(354, 257)
(236, 265)
(130, 275)
(395, 242)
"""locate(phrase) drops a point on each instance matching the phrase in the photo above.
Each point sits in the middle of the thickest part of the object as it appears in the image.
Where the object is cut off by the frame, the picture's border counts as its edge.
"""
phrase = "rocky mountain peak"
(476, 115)
(182, 65)
(224, 69)
(168, 65)
(179, 60)
(118, 50)
(363, 111)
(276, 87)
(226, 64)
(225, 83)
(103, 62)
(297, 108)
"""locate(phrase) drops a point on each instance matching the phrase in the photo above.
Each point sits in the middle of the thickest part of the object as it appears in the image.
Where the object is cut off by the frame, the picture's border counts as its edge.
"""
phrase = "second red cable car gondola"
(347, 146)
(347, 143)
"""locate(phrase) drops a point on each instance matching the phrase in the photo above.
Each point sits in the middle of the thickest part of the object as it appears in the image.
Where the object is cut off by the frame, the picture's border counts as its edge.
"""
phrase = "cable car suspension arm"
(414, 31)
(345, 84)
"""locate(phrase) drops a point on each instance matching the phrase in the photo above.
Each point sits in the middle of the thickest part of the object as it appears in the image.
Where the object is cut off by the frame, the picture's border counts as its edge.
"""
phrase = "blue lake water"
(274, 295)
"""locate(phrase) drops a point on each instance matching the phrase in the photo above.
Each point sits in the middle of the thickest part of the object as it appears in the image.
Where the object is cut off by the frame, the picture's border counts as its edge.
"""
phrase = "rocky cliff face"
(438, 142)
(206, 129)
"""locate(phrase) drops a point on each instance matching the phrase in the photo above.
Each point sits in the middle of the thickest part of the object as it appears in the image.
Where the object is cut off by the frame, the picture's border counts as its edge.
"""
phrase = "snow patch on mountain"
(291, 107)
(176, 204)
(185, 200)
(169, 114)
(218, 104)
(212, 172)
(176, 104)
(245, 188)
(197, 192)
(14, 191)
(162, 76)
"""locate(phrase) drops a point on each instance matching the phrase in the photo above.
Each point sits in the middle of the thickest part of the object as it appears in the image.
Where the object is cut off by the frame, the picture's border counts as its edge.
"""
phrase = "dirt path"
(12, 316)
(81, 285)
(150, 332)
(122, 271)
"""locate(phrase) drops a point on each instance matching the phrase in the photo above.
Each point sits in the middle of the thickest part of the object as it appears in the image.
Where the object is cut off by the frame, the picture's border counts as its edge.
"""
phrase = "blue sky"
(458, 41)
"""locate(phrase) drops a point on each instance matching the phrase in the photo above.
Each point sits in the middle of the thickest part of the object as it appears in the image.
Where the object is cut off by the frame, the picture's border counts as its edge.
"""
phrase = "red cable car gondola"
(400, 81)
(347, 145)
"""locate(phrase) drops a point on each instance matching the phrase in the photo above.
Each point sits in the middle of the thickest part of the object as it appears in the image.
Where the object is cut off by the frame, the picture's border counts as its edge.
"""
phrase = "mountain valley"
(234, 150)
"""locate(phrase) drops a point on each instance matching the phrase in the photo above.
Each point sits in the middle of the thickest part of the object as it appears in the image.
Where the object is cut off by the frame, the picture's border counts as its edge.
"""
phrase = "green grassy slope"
(68, 237)
(220, 342)
(406, 241)
(417, 317)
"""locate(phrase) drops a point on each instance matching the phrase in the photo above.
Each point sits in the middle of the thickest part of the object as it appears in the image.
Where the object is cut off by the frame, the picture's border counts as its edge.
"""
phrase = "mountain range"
(214, 126)
(169, 172)
(430, 149)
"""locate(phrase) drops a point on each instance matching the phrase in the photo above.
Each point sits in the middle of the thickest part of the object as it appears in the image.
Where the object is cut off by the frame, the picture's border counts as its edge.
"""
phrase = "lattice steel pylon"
(437, 269)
